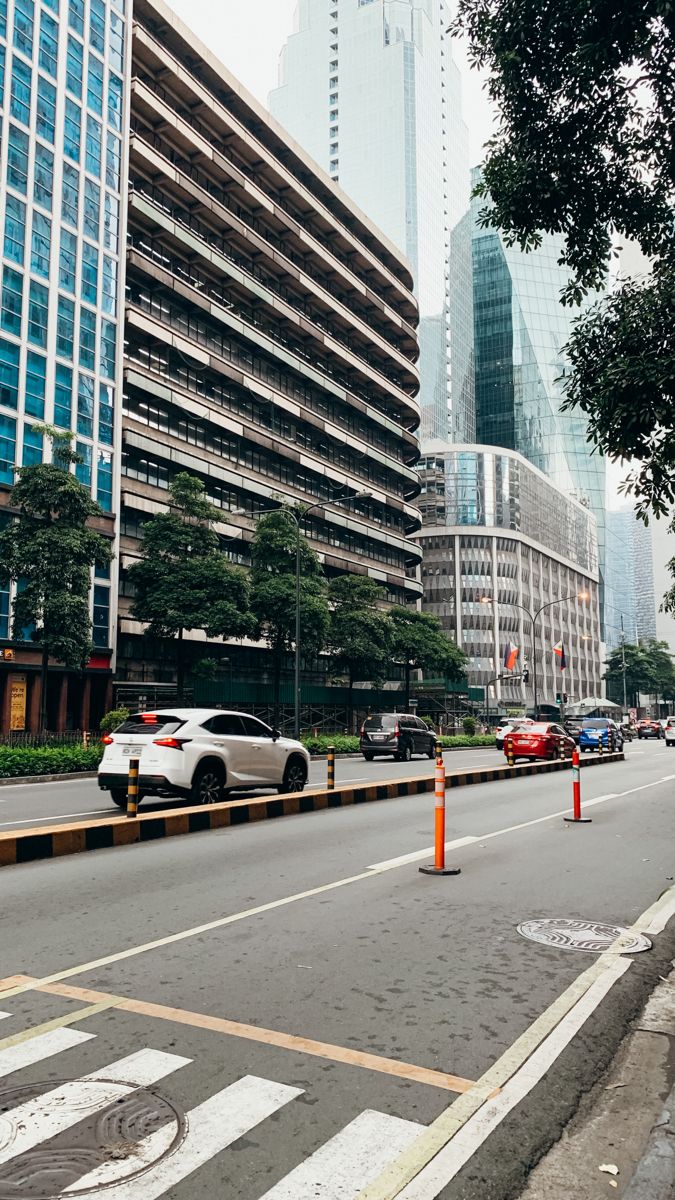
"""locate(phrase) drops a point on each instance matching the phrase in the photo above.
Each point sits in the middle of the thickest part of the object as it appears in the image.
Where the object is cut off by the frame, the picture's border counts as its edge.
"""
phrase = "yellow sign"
(17, 710)
(8, 654)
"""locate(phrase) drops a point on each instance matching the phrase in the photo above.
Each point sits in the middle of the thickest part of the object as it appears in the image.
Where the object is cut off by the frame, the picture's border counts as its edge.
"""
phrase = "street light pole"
(623, 664)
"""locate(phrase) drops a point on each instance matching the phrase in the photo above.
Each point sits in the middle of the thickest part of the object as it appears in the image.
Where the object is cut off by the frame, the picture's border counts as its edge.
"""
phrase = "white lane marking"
(445, 1166)
(44, 1117)
(3, 1015)
(59, 817)
(350, 1160)
(417, 854)
(662, 917)
(211, 1127)
(25, 1054)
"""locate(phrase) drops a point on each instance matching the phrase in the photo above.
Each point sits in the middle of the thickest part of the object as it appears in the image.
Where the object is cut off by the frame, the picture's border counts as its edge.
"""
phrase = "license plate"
(379, 737)
(127, 751)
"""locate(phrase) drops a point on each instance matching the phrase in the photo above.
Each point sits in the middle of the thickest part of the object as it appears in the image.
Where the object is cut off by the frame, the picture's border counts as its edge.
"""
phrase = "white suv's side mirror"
(276, 734)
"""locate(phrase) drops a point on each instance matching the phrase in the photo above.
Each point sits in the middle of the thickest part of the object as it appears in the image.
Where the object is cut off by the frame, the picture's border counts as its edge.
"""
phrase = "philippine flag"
(510, 655)
(560, 651)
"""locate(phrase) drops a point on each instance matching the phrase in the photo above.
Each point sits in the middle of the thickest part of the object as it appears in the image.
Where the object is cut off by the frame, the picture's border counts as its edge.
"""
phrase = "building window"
(65, 328)
(107, 349)
(15, 229)
(7, 449)
(74, 67)
(115, 102)
(109, 286)
(71, 130)
(76, 16)
(88, 339)
(32, 447)
(43, 177)
(70, 195)
(24, 12)
(93, 146)
(83, 468)
(63, 396)
(116, 42)
(9, 374)
(89, 273)
(95, 85)
(92, 209)
(97, 25)
(104, 481)
(40, 245)
(49, 44)
(46, 110)
(38, 314)
(2, 76)
(12, 301)
(113, 161)
(105, 414)
(101, 616)
(112, 222)
(36, 370)
(17, 159)
(67, 261)
(21, 91)
(85, 406)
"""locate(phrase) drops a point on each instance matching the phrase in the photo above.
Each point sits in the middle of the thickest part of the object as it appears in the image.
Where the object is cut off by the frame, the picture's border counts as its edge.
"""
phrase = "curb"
(56, 841)
(15, 780)
(654, 1178)
(348, 755)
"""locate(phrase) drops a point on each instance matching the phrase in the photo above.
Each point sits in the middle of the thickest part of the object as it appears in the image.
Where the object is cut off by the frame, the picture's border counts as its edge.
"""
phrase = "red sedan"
(545, 739)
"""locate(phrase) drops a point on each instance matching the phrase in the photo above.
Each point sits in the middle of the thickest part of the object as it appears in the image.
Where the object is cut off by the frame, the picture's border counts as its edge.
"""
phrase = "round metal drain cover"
(106, 1141)
(592, 937)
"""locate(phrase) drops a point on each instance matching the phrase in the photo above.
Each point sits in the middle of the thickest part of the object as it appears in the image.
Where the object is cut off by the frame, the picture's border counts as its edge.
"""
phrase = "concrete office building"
(520, 331)
(63, 85)
(270, 334)
(497, 534)
(371, 91)
(645, 593)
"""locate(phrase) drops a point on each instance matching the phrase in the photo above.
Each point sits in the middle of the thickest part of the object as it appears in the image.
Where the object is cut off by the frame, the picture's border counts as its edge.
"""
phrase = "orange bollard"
(576, 818)
(439, 867)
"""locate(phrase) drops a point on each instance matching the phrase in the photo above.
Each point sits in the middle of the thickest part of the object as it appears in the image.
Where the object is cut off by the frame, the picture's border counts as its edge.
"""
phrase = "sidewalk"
(627, 1122)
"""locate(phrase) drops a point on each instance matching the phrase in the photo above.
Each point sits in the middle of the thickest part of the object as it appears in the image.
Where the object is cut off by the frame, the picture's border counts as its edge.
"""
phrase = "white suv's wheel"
(295, 776)
(207, 784)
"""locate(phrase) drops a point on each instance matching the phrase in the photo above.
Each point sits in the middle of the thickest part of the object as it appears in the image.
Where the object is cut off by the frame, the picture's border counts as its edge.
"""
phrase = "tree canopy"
(418, 642)
(359, 629)
(49, 550)
(649, 669)
(586, 103)
(183, 580)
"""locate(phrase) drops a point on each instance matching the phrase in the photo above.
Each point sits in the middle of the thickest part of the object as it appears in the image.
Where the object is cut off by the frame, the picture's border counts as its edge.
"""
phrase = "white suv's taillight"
(171, 743)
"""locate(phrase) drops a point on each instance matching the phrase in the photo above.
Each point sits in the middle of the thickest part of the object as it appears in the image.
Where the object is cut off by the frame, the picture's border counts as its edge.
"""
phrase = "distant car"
(669, 731)
(572, 726)
(648, 728)
(507, 727)
(540, 739)
(398, 735)
(200, 753)
(596, 730)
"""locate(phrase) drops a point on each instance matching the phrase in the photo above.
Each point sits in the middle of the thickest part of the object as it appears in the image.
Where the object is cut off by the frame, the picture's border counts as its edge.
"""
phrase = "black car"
(396, 734)
(573, 727)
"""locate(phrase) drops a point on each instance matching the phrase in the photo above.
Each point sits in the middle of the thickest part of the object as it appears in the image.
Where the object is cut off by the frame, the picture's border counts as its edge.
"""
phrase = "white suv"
(200, 753)
(669, 731)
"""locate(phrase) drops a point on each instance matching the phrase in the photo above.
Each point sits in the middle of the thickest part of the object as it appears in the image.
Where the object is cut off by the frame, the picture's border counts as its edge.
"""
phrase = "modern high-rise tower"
(369, 88)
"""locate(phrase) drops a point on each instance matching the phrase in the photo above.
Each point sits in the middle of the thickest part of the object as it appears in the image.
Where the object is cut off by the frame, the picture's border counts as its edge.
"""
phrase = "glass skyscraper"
(62, 123)
(520, 331)
(371, 91)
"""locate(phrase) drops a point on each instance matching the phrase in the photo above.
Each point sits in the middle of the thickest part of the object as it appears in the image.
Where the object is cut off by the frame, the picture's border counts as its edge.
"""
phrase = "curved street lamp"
(298, 515)
(533, 618)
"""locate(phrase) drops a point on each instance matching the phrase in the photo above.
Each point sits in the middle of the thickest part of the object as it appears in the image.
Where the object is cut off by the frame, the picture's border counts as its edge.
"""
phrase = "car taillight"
(363, 731)
(171, 743)
(397, 731)
(107, 740)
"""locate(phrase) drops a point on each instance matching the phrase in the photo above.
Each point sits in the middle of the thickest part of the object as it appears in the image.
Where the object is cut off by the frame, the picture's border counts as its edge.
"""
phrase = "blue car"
(595, 730)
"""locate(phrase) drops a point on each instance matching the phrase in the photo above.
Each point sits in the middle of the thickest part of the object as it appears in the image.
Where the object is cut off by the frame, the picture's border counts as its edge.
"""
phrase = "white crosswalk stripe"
(349, 1161)
(37, 1120)
(26, 1054)
(212, 1127)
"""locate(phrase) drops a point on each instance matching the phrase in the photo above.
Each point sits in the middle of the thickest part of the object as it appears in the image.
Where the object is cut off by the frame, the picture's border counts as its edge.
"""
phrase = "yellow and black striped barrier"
(330, 769)
(132, 787)
(27, 845)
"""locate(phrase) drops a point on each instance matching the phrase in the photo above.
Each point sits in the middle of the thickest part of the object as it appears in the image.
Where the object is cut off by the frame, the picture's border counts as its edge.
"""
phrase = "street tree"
(273, 591)
(418, 642)
(183, 580)
(649, 669)
(49, 549)
(584, 150)
(359, 631)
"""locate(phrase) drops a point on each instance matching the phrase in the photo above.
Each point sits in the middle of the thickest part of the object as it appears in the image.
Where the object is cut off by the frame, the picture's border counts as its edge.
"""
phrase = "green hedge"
(350, 745)
(47, 760)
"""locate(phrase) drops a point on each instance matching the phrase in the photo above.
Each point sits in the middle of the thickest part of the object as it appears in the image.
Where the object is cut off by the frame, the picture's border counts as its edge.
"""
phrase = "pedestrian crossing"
(167, 1157)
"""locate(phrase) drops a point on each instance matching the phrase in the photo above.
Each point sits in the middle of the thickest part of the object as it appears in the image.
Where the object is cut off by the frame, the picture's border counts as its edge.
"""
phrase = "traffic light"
(564, 697)
(558, 699)
(526, 673)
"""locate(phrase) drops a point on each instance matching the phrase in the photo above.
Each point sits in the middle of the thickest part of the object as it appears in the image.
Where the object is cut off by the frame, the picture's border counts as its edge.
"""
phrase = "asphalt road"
(46, 803)
(316, 1005)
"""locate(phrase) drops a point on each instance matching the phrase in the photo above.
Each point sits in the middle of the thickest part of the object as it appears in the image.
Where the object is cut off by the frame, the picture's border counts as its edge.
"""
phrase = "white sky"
(247, 36)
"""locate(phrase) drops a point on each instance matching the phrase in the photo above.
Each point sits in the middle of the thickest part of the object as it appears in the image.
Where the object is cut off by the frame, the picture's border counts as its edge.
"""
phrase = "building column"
(62, 711)
(85, 703)
(34, 700)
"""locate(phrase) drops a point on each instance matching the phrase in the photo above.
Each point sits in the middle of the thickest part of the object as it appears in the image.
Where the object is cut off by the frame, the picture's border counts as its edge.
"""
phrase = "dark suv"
(397, 734)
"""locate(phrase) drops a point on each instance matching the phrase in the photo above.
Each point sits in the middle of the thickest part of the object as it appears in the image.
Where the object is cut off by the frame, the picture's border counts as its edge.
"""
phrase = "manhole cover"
(593, 937)
(107, 1141)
